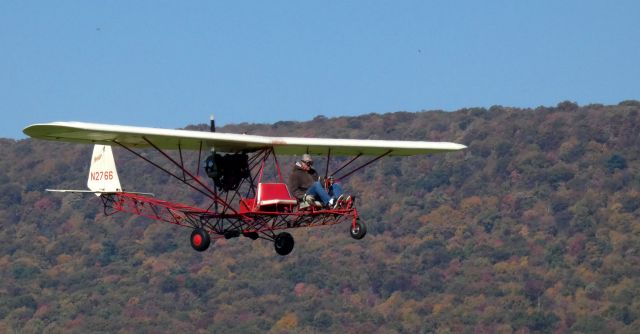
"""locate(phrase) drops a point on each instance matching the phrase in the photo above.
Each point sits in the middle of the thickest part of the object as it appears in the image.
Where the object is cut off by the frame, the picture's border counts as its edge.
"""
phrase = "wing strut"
(199, 158)
(326, 169)
(362, 166)
(347, 164)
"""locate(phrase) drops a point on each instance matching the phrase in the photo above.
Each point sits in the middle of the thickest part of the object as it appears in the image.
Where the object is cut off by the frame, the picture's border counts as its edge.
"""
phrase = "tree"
(616, 161)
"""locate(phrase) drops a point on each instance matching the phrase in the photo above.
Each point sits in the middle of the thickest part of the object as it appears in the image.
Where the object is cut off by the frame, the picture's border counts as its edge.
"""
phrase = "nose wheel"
(358, 229)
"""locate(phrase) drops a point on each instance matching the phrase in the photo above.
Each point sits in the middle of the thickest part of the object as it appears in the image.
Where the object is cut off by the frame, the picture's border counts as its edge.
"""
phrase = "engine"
(227, 171)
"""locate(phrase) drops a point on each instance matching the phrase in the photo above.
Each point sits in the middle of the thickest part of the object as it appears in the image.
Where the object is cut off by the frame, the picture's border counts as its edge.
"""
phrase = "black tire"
(200, 240)
(283, 243)
(359, 230)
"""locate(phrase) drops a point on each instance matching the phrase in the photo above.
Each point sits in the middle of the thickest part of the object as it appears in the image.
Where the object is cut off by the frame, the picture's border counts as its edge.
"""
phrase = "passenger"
(304, 182)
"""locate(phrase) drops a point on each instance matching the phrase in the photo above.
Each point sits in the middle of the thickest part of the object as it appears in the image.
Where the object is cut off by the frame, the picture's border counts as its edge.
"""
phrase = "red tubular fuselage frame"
(230, 221)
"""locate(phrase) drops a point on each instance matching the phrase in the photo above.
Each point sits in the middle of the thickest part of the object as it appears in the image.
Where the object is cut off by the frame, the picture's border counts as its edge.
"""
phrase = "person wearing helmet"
(304, 182)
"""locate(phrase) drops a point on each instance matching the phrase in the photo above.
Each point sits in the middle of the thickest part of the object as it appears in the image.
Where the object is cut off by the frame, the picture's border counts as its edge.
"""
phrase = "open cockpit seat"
(274, 194)
(269, 197)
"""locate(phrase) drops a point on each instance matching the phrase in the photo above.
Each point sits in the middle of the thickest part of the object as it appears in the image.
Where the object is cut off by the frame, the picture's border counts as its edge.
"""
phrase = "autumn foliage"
(534, 228)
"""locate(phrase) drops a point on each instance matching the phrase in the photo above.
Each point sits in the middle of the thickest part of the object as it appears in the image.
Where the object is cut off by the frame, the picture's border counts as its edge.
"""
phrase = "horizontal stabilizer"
(72, 191)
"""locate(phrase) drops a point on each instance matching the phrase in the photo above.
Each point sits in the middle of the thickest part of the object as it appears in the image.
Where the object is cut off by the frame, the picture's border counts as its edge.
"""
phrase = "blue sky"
(173, 63)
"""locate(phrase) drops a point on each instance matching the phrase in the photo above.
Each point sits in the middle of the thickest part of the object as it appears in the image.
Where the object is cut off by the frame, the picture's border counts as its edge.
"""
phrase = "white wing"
(133, 136)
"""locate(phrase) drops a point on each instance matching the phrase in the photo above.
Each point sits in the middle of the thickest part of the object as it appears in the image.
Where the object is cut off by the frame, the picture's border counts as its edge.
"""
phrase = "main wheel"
(358, 230)
(283, 243)
(200, 239)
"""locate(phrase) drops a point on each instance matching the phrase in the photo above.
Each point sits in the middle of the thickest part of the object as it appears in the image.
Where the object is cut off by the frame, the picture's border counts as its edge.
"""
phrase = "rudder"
(103, 175)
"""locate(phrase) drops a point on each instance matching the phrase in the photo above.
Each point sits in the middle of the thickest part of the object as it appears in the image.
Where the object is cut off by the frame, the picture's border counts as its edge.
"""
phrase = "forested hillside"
(534, 228)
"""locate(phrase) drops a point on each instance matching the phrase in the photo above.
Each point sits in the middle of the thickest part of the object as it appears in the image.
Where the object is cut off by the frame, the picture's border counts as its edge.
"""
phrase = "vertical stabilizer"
(103, 176)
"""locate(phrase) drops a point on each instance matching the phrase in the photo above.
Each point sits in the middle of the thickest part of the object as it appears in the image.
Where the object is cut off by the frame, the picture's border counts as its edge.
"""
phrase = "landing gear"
(283, 243)
(251, 235)
(200, 239)
(231, 234)
(358, 229)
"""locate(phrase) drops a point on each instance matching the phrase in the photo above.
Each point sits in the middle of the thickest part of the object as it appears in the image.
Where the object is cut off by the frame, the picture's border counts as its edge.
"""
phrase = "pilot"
(304, 182)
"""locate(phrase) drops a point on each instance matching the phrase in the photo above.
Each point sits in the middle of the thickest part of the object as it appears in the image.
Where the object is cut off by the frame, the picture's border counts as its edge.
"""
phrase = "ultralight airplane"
(242, 203)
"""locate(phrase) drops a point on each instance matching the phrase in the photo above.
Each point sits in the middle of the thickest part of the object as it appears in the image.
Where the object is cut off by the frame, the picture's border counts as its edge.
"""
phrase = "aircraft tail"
(103, 176)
